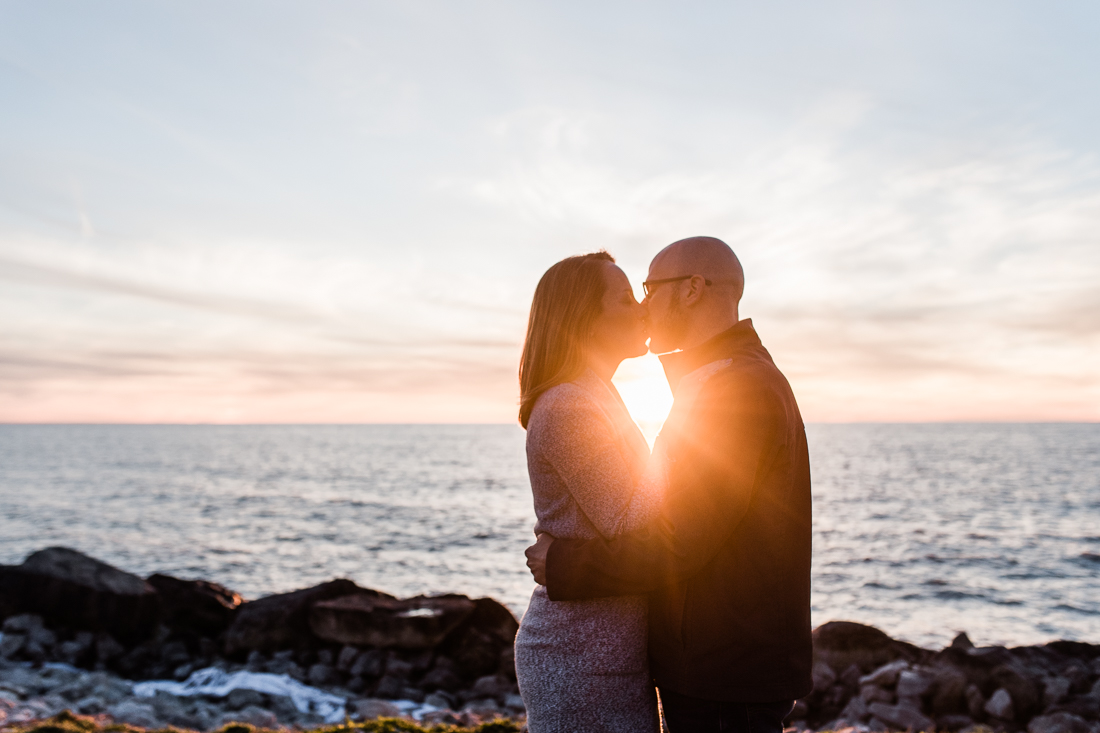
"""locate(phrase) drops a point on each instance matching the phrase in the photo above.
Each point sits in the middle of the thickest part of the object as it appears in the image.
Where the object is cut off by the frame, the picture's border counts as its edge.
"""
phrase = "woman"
(582, 664)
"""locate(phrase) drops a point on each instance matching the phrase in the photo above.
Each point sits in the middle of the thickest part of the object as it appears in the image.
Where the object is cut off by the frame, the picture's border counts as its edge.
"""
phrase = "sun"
(642, 384)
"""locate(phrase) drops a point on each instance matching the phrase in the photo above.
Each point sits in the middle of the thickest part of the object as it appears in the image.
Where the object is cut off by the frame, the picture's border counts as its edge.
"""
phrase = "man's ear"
(694, 290)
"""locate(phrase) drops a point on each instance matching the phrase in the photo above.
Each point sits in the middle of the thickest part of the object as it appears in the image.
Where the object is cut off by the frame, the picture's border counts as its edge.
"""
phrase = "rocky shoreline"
(83, 636)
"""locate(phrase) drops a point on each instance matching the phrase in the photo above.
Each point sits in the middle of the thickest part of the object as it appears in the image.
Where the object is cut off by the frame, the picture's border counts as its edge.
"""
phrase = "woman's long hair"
(566, 303)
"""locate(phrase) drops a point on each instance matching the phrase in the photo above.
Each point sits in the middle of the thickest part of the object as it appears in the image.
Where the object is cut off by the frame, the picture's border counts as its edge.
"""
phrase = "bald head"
(707, 256)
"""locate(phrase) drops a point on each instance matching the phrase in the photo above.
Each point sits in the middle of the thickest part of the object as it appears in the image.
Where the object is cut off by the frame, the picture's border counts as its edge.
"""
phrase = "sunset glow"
(340, 215)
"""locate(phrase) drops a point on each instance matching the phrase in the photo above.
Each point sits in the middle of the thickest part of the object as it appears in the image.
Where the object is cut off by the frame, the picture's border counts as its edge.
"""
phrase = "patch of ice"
(219, 683)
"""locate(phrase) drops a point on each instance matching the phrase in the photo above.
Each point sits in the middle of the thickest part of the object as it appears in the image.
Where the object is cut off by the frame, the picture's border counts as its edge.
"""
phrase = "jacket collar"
(739, 337)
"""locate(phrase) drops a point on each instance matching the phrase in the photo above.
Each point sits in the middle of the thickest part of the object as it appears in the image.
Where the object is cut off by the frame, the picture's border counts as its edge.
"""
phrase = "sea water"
(923, 530)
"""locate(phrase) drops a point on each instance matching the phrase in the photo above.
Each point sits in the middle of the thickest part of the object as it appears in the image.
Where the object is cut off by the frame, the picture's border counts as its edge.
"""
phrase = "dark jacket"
(727, 563)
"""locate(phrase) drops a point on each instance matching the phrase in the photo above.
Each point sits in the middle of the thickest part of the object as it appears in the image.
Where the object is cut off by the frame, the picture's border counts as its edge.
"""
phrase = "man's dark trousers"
(685, 714)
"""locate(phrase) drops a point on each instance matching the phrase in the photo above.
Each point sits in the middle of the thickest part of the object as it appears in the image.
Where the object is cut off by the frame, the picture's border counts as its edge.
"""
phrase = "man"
(727, 562)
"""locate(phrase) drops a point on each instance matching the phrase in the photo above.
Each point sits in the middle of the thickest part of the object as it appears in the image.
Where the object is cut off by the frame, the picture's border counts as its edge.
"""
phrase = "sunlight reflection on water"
(923, 530)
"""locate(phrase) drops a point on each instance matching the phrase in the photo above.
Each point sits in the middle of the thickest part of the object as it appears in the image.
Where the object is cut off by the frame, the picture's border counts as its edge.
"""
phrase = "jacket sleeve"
(583, 448)
(731, 436)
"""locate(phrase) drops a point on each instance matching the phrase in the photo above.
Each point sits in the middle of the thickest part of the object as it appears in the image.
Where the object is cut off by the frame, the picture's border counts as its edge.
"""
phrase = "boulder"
(1026, 693)
(367, 619)
(69, 589)
(843, 643)
(823, 676)
(478, 645)
(281, 621)
(195, 605)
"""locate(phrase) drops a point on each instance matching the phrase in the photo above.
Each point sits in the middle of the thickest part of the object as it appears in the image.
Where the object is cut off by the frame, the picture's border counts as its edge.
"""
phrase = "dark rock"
(823, 676)
(843, 643)
(12, 644)
(1076, 649)
(399, 668)
(70, 589)
(174, 653)
(280, 621)
(476, 645)
(962, 641)
(326, 657)
(1055, 690)
(443, 676)
(412, 693)
(369, 664)
(195, 605)
(321, 675)
(850, 678)
(874, 693)
(1026, 694)
(390, 688)
(494, 686)
(356, 684)
(975, 702)
(107, 649)
(347, 658)
(948, 692)
(372, 620)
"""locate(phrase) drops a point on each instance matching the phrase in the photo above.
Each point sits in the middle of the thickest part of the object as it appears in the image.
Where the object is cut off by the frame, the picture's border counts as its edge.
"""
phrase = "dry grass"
(67, 722)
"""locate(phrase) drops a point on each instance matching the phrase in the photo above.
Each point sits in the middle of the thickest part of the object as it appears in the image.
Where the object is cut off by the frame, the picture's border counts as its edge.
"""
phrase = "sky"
(337, 212)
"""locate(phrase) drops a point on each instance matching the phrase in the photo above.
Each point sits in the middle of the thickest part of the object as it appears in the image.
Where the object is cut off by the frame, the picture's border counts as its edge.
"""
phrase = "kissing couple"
(685, 572)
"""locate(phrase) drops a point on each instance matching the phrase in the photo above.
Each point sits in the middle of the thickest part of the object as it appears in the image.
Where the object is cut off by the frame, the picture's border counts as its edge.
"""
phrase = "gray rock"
(11, 644)
(322, 675)
(390, 687)
(949, 691)
(370, 708)
(1055, 690)
(398, 668)
(515, 703)
(902, 716)
(856, 710)
(953, 722)
(495, 686)
(438, 701)
(412, 693)
(873, 693)
(368, 664)
(252, 715)
(347, 658)
(1058, 723)
(1095, 691)
(107, 648)
(23, 623)
(874, 725)
(183, 671)
(823, 676)
(1000, 705)
(913, 683)
(479, 705)
(886, 675)
(975, 702)
(134, 713)
(90, 705)
(240, 698)
(169, 707)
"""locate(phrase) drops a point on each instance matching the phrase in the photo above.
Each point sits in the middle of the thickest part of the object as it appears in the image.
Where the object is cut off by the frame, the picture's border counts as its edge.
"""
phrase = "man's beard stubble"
(672, 328)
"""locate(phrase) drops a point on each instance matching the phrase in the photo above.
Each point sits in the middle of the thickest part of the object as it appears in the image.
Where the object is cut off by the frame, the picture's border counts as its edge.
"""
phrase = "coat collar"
(739, 337)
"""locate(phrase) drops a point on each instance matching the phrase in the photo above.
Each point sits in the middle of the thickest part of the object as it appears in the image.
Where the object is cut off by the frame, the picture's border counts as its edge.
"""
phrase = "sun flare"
(643, 387)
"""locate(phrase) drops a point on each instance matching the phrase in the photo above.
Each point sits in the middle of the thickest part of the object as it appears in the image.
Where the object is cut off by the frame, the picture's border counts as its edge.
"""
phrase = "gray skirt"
(582, 666)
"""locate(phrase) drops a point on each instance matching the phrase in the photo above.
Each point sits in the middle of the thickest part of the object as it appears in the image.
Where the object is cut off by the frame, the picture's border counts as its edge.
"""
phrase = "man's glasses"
(650, 285)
